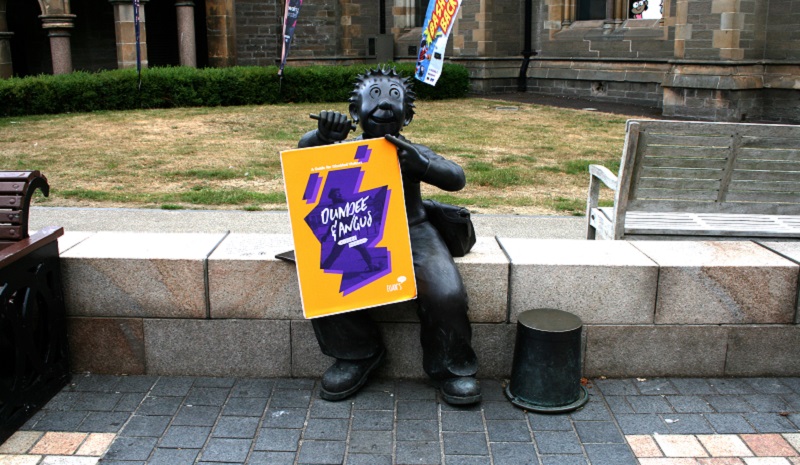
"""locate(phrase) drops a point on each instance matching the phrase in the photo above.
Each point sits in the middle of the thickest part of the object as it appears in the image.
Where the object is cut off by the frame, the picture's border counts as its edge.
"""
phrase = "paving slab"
(790, 251)
(718, 282)
(602, 282)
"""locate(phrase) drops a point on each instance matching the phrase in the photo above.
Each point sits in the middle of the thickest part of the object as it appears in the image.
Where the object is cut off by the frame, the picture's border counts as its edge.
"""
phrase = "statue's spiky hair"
(391, 72)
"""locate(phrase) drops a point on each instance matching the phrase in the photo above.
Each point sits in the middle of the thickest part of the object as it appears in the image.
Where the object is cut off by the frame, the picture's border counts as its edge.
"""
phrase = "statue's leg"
(445, 330)
(354, 341)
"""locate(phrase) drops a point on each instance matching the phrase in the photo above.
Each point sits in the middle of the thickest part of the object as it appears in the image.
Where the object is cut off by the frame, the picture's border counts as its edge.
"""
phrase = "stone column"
(6, 68)
(125, 30)
(186, 35)
(57, 27)
(221, 24)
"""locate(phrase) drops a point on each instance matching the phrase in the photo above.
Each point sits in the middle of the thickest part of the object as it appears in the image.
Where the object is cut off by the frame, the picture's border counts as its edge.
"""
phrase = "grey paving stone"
(689, 404)
(236, 427)
(321, 452)
(252, 388)
(290, 398)
(513, 453)
(795, 418)
(501, 411)
(103, 422)
(201, 415)
(138, 449)
(492, 390)
(465, 443)
(245, 406)
(373, 400)
(416, 410)
(31, 423)
(595, 410)
(557, 442)
(146, 426)
(610, 454)
(563, 460)
(693, 386)
(62, 401)
(370, 459)
(729, 423)
(792, 401)
(295, 383)
(418, 452)
(645, 423)
(656, 387)
(326, 429)
(768, 385)
(417, 430)
(278, 439)
(466, 459)
(508, 431)
(96, 401)
(619, 404)
(226, 450)
(792, 383)
(462, 421)
(185, 437)
(598, 432)
(543, 422)
(214, 382)
(172, 386)
(271, 458)
(371, 442)
(121, 462)
(770, 423)
(373, 420)
(207, 396)
(649, 404)
(173, 457)
(445, 407)
(129, 402)
(141, 384)
(324, 409)
(285, 417)
(616, 387)
(414, 390)
(687, 423)
(95, 383)
(730, 386)
(729, 404)
(153, 405)
(59, 421)
(764, 403)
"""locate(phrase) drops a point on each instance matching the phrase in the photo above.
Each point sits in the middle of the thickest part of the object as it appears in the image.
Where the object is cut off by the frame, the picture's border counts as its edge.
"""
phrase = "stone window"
(607, 11)
(420, 9)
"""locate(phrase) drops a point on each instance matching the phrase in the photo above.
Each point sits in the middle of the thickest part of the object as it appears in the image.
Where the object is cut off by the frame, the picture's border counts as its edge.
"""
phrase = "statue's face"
(380, 106)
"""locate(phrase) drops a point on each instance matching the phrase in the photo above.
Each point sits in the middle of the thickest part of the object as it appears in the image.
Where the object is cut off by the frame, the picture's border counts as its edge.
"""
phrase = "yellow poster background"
(320, 291)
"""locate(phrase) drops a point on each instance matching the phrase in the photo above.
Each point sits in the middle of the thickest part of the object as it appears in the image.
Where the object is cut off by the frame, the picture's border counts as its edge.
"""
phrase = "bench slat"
(10, 201)
(687, 152)
(712, 207)
(672, 140)
(11, 187)
(677, 194)
(771, 142)
(709, 129)
(768, 176)
(687, 162)
(769, 154)
(763, 197)
(767, 186)
(678, 183)
(768, 165)
(681, 173)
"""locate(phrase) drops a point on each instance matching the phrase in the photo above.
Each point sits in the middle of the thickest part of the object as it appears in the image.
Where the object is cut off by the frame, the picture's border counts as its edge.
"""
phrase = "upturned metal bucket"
(546, 371)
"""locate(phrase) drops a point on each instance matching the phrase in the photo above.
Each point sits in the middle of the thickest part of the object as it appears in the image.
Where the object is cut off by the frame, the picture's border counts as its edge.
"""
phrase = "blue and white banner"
(289, 23)
(438, 23)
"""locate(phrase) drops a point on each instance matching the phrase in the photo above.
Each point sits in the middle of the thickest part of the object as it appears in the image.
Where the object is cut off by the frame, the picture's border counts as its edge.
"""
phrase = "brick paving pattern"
(117, 420)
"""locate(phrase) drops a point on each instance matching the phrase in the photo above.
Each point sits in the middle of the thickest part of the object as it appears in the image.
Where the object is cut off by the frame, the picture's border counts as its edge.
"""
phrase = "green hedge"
(188, 87)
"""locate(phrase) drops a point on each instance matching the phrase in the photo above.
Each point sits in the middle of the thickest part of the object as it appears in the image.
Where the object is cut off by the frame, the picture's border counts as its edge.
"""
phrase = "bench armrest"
(597, 174)
(603, 174)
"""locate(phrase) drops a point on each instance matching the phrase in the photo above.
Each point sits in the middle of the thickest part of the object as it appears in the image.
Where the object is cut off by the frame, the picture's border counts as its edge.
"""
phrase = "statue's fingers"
(399, 142)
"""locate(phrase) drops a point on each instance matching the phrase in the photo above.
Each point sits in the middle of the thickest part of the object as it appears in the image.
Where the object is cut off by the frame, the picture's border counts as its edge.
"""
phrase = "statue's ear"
(409, 116)
(354, 111)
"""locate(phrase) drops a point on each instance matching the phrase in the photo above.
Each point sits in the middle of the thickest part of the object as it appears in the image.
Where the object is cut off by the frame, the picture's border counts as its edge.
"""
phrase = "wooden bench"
(694, 180)
(33, 341)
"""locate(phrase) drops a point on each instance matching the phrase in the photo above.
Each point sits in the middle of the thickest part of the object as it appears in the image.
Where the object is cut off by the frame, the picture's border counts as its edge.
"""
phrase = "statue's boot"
(345, 377)
(464, 390)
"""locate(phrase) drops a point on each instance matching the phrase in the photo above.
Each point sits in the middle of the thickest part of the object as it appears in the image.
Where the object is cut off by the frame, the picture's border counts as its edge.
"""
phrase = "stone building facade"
(725, 60)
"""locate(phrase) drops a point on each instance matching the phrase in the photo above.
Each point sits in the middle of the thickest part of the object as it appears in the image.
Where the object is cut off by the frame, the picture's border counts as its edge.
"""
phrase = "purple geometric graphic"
(312, 188)
(348, 224)
(363, 152)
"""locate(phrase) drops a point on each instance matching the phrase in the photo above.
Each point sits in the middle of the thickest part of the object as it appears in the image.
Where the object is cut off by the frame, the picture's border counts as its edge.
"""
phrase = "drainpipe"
(383, 17)
(522, 80)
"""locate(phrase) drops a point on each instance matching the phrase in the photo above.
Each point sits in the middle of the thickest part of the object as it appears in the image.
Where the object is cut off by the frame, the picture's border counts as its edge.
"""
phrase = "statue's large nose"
(385, 105)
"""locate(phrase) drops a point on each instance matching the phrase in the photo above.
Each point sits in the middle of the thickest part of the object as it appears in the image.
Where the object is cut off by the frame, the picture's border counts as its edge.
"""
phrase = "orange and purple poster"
(349, 226)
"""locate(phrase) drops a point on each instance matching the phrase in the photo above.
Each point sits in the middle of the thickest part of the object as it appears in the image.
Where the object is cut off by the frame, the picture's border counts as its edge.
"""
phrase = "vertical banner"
(438, 23)
(136, 30)
(290, 14)
(349, 226)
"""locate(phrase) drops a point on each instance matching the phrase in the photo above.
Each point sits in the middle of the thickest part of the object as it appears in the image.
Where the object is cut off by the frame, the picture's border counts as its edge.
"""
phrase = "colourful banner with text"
(290, 14)
(349, 226)
(438, 23)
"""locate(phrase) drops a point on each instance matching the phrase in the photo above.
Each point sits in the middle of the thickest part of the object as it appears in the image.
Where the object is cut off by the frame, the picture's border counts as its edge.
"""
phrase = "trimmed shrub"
(189, 87)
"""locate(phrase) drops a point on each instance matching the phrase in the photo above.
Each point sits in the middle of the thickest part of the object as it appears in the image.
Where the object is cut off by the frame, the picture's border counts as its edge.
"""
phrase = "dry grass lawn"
(519, 158)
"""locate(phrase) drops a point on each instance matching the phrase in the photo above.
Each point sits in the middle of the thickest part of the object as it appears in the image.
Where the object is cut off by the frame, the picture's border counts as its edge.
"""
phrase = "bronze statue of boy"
(382, 103)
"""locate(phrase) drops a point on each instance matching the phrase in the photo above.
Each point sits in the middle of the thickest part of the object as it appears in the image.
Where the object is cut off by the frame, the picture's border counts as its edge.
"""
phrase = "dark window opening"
(420, 10)
(591, 9)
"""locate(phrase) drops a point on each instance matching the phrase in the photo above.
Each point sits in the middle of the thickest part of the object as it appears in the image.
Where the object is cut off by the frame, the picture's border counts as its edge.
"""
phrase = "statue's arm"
(425, 165)
(332, 127)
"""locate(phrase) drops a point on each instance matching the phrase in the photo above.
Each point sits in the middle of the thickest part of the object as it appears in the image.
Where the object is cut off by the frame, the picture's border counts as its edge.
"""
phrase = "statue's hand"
(332, 125)
(411, 160)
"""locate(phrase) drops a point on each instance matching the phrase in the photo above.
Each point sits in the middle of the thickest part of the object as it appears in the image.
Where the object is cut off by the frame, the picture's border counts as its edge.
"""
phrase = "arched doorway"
(30, 46)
